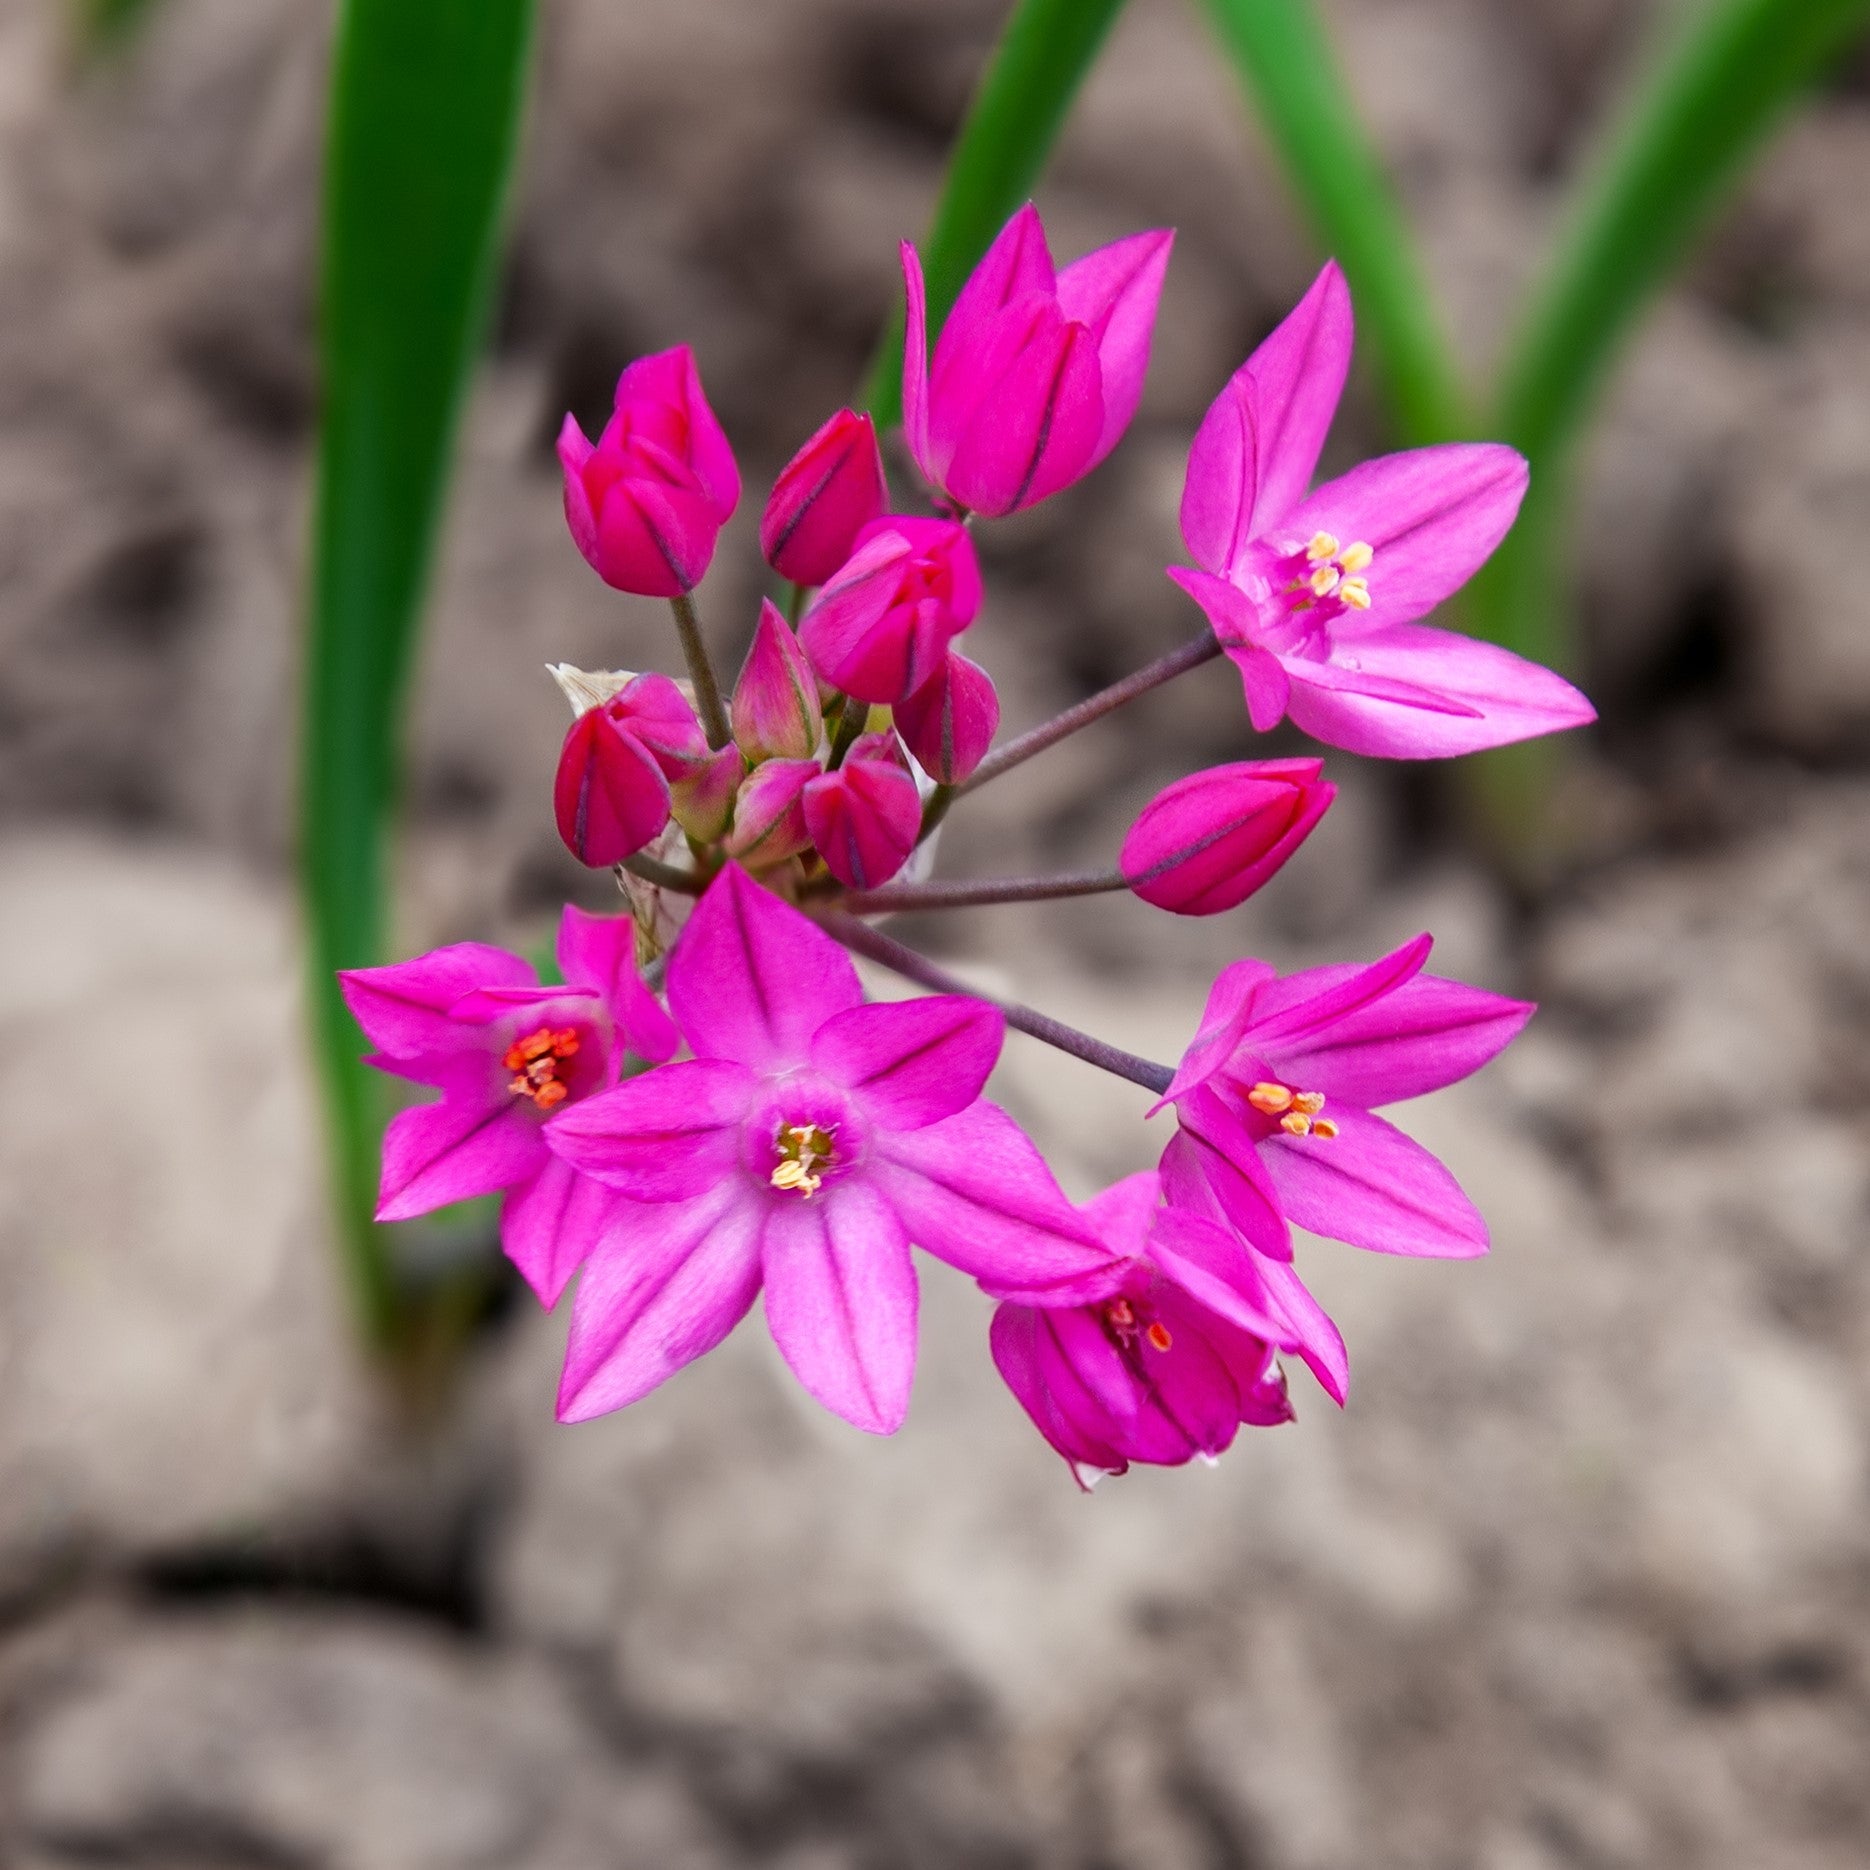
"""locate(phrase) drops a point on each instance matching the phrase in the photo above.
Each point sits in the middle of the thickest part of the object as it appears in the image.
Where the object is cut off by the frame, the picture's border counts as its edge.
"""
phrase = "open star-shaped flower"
(803, 1149)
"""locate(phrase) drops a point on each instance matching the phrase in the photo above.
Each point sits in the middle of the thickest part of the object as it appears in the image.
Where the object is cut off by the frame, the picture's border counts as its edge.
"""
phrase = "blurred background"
(1579, 1578)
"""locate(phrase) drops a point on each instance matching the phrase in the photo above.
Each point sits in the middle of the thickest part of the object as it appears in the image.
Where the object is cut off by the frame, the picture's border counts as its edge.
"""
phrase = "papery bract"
(647, 502)
(1037, 372)
(950, 721)
(1275, 1099)
(864, 817)
(1315, 598)
(806, 1145)
(882, 624)
(1207, 842)
(775, 709)
(611, 792)
(505, 1053)
(769, 814)
(1169, 1364)
(825, 496)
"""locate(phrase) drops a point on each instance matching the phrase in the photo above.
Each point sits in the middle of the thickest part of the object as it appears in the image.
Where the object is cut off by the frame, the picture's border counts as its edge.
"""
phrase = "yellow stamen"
(803, 1148)
(1324, 580)
(1324, 1129)
(1270, 1099)
(1356, 557)
(1296, 1123)
(1356, 593)
(1323, 546)
(1310, 1102)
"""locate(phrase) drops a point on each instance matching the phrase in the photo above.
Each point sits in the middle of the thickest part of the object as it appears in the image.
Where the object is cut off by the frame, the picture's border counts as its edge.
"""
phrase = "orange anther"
(550, 1093)
(1324, 1128)
(1270, 1099)
(1296, 1123)
(1158, 1335)
(1310, 1102)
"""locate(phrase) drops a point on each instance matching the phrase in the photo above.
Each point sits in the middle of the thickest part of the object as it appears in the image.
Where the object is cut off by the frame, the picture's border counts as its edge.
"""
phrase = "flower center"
(803, 1149)
(1125, 1324)
(1325, 579)
(1296, 1112)
(535, 1063)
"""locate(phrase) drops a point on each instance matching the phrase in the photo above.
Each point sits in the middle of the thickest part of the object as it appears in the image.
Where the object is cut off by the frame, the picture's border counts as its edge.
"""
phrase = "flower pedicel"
(804, 1144)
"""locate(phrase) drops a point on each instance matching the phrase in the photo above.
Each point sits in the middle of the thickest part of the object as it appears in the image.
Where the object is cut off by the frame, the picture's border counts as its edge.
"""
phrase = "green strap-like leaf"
(1286, 65)
(1042, 58)
(425, 110)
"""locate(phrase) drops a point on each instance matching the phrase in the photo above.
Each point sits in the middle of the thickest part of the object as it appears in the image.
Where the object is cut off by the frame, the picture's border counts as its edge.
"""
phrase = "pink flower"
(1037, 373)
(1316, 597)
(809, 1141)
(1209, 841)
(1275, 1098)
(1171, 1362)
(647, 503)
(506, 1053)
(611, 794)
(950, 721)
(865, 817)
(775, 709)
(769, 814)
(827, 494)
(880, 628)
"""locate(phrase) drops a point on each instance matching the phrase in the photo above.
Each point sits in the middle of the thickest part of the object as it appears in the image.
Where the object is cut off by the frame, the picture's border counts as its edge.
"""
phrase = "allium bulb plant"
(708, 1110)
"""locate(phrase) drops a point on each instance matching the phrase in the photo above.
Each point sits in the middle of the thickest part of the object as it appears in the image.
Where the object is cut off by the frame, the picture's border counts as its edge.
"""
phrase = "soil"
(1579, 1580)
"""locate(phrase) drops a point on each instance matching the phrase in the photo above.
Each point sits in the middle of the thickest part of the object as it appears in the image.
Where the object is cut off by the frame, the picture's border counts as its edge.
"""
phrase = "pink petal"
(775, 710)
(1206, 1260)
(703, 803)
(574, 451)
(599, 952)
(655, 713)
(915, 361)
(752, 980)
(973, 1191)
(1066, 1402)
(668, 1135)
(654, 539)
(1017, 266)
(864, 819)
(1228, 1156)
(1373, 1187)
(950, 721)
(1223, 1020)
(1235, 620)
(1419, 1037)
(667, 1284)
(911, 1062)
(1431, 515)
(826, 494)
(403, 1008)
(1461, 695)
(841, 1302)
(1283, 1015)
(1121, 1215)
(550, 1225)
(464, 1146)
(671, 380)
(1206, 843)
(609, 796)
(1114, 292)
(769, 814)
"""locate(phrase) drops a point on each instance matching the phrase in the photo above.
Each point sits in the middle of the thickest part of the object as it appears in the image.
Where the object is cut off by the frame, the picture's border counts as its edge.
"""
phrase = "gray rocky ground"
(1581, 1576)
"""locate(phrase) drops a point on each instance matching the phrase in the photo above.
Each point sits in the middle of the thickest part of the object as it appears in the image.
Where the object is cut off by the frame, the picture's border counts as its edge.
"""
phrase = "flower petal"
(1121, 1214)
(752, 980)
(775, 708)
(950, 721)
(915, 361)
(464, 1146)
(1405, 692)
(403, 1008)
(912, 1062)
(609, 795)
(668, 1135)
(1230, 1005)
(1208, 1262)
(666, 1285)
(1373, 1187)
(864, 819)
(973, 1191)
(1114, 293)
(1286, 1012)
(599, 953)
(841, 1302)
(1066, 1403)
(550, 1225)
(1228, 1157)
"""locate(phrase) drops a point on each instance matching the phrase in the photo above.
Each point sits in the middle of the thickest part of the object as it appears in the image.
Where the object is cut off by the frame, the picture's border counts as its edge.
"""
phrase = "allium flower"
(1037, 373)
(826, 495)
(1315, 597)
(1209, 841)
(611, 795)
(809, 1141)
(776, 713)
(506, 1053)
(865, 816)
(648, 502)
(950, 721)
(1275, 1100)
(1166, 1366)
(881, 626)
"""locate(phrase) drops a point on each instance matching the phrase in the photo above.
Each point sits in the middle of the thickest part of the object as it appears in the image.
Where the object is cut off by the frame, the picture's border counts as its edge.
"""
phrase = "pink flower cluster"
(691, 1129)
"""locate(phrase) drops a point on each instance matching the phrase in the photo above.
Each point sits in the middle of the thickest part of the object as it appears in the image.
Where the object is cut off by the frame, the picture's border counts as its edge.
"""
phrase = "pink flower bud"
(950, 721)
(776, 712)
(610, 796)
(703, 802)
(1209, 841)
(769, 815)
(1036, 373)
(654, 712)
(648, 501)
(881, 627)
(865, 816)
(828, 493)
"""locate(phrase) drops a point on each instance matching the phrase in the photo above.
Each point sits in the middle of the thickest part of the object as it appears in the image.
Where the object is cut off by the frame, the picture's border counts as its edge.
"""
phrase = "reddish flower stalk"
(965, 893)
